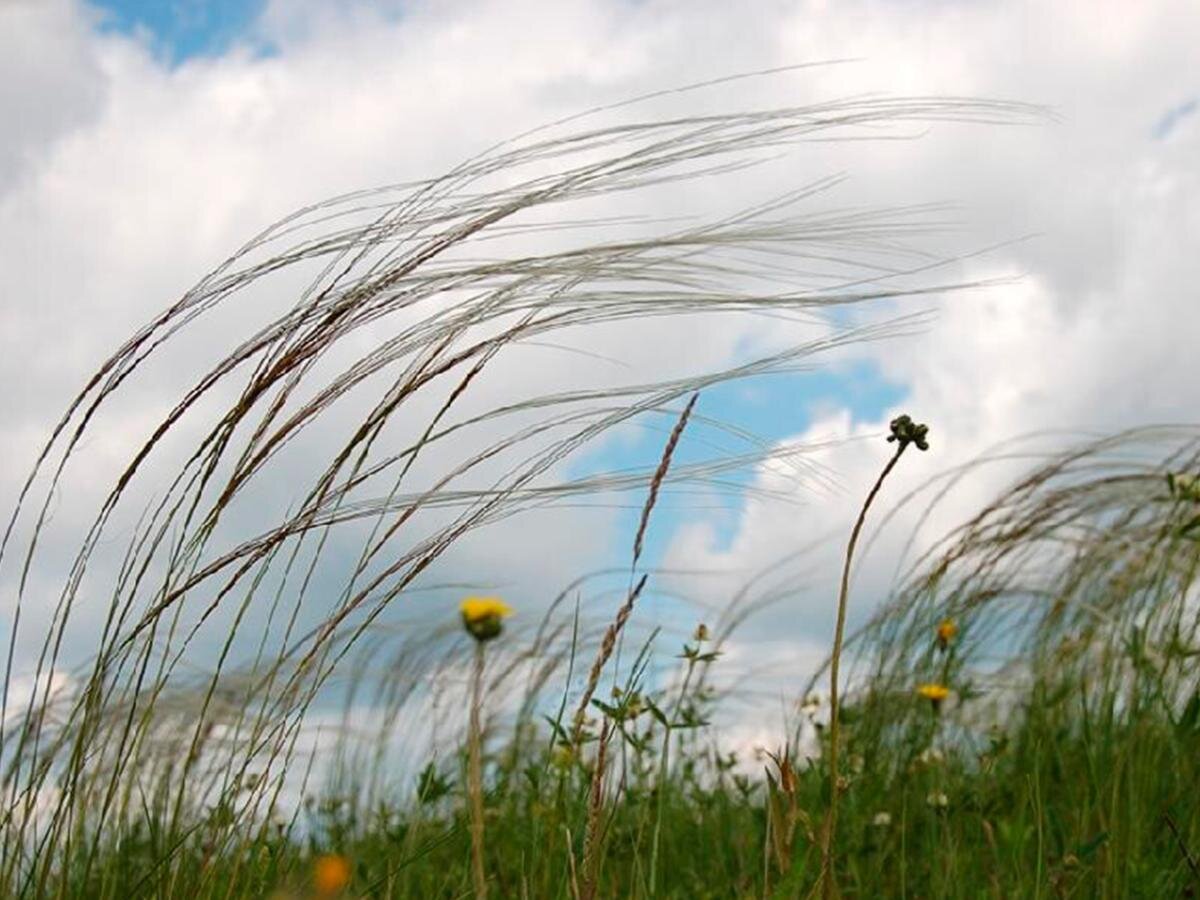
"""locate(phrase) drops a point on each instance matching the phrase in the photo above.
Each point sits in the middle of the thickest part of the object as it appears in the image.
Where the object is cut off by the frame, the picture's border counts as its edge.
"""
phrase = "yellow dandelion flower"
(331, 874)
(946, 632)
(934, 693)
(483, 616)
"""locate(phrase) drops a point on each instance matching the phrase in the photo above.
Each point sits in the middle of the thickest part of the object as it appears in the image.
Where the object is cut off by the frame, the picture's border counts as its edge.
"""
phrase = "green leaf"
(559, 732)
(612, 712)
(658, 714)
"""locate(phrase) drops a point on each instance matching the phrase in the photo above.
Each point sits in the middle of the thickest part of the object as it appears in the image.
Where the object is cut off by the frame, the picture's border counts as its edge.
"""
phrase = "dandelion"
(937, 799)
(331, 874)
(882, 819)
(934, 693)
(483, 616)
(946, 632)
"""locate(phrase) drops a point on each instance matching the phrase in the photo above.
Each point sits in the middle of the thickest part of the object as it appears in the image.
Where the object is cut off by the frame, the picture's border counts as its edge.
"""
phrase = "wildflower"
(482, 616)
(937, 799)
(701, 633)
(811, 707)
(930, 756)
(934, 693)
(882, 819)
(906, 431)
(946, 632)
(331, 874)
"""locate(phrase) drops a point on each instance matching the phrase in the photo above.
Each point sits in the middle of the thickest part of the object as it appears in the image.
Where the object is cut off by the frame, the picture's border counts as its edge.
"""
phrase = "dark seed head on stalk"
(906, 431)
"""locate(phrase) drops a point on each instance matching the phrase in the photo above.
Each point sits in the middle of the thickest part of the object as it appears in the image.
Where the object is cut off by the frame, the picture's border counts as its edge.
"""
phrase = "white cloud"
(43, 99)
(128, 180)
(1092, 334)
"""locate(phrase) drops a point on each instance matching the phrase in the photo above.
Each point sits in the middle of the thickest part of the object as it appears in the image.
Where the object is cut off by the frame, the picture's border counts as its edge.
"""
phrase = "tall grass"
(1061, 765)
(177, 645)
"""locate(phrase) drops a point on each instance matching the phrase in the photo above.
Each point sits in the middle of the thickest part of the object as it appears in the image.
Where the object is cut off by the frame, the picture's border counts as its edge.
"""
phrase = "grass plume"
(333, 441)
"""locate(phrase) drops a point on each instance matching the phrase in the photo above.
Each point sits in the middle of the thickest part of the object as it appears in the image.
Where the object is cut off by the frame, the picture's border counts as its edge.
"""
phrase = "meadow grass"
(1066, 771)
(1019, 718)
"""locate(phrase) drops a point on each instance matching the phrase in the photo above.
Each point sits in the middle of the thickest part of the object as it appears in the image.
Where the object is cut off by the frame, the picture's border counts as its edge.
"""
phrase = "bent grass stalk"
(405, 270)
(613, 634)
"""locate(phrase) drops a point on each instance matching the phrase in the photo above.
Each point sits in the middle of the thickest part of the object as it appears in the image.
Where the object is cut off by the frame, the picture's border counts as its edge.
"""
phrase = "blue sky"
(182, 29)
(771, 407)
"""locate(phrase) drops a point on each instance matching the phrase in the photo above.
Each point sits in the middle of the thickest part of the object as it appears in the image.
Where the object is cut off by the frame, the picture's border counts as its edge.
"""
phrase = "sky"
(148, 140)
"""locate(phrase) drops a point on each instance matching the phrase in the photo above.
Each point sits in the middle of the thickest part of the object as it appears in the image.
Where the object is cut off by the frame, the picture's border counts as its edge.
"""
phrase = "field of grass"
(1020, 718)
(1077, 780)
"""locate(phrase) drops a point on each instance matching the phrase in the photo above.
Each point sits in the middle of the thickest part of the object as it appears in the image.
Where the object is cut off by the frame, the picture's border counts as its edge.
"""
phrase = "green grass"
(204, 629)
(1062, 804)
(1079, 782)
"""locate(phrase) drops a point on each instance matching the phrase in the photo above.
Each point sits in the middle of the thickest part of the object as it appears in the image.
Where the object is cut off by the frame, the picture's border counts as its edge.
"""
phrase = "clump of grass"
(1062, 770)
(174, 761)
(592, 846)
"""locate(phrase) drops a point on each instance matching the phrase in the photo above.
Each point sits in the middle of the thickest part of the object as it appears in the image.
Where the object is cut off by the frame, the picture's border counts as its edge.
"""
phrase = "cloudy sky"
(145, 141)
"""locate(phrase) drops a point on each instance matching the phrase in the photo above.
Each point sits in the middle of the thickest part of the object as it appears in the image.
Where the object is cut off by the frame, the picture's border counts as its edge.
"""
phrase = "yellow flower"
(482, 616)
(934, 693)
(331, 874)
(946, 632)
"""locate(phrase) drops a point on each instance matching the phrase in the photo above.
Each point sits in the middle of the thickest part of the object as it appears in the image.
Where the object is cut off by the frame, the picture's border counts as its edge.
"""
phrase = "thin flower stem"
(663, 774)
(827, 879)
(475, 776)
